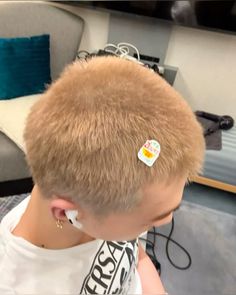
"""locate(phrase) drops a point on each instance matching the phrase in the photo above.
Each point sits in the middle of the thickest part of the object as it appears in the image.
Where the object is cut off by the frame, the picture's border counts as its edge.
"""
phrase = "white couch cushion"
(13, 114)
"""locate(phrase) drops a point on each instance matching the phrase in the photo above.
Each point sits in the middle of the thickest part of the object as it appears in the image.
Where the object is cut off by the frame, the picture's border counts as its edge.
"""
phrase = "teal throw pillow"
(24, 66)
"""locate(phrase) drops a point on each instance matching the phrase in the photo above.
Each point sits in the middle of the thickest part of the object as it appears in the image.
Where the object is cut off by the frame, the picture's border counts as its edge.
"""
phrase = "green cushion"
(24, 66)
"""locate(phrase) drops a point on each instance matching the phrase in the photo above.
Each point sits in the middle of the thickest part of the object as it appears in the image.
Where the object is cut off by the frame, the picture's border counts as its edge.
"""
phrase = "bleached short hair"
(83, 136)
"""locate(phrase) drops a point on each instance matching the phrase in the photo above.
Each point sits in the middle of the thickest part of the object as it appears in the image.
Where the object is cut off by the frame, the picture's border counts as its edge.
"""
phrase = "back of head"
(83, 136)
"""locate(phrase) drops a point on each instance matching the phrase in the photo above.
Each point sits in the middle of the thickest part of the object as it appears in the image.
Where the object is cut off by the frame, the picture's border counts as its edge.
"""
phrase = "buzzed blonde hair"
(83, 136)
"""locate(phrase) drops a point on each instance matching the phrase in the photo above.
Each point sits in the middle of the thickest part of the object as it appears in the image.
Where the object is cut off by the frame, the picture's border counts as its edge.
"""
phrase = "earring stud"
(59, 224)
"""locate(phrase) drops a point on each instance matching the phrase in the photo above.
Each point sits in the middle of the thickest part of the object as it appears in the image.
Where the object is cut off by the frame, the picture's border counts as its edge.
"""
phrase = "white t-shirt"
(95, 267)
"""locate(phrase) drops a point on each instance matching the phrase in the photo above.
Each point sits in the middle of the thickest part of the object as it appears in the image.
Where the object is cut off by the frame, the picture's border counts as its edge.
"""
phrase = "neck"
(38, 226)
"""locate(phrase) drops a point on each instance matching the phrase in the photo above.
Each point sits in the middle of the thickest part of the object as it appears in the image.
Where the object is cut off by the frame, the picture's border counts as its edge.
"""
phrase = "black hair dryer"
(225, 122)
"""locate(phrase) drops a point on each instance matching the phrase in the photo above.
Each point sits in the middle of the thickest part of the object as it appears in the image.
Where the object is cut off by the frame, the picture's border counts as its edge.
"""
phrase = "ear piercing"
(59, 223)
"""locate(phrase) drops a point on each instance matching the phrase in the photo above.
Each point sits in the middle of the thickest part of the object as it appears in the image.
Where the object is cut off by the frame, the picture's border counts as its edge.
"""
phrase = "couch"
(220, 166)
(23, 19)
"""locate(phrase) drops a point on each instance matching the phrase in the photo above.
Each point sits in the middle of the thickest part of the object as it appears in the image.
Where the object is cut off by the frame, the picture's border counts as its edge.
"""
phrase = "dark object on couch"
(221, 122)
(212, 125)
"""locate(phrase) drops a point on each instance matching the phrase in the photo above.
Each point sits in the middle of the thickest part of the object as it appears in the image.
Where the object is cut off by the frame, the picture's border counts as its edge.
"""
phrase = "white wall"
(96, 26)
(207, 68)
(206, 61)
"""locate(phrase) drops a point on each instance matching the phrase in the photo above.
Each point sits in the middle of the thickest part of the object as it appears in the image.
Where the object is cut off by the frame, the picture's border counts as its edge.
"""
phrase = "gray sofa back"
(21, 19)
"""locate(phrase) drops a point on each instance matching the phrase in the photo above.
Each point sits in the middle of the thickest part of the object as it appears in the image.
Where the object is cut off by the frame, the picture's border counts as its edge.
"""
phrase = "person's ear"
(58, 207)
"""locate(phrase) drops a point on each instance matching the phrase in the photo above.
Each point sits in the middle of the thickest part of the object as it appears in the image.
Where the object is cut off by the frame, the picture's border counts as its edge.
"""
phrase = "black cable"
(167, 246)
